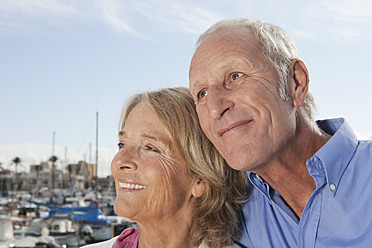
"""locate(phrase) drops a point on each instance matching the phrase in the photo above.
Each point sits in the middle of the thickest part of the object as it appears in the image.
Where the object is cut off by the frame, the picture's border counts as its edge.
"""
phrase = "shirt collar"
(259, 184)
(336, 154)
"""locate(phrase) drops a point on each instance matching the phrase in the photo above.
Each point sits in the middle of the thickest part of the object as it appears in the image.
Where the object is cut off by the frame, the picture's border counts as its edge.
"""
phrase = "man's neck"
(287, 173)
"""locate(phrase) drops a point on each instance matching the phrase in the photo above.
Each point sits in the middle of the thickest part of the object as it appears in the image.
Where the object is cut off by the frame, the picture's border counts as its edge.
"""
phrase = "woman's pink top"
(128, 238)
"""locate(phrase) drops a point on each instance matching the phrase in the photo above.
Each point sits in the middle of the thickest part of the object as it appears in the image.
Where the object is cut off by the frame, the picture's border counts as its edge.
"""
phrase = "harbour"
(77, 221)
(50, 206)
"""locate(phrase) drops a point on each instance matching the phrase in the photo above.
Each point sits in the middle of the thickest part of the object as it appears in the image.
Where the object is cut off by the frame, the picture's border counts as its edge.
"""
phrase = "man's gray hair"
(276, 46)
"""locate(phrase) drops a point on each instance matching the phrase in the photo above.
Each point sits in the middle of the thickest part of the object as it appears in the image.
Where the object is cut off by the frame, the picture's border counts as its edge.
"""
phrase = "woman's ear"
(198, 188)
(300, 82)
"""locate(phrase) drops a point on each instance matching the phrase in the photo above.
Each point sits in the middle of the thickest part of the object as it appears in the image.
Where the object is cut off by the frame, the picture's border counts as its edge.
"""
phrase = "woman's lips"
(131, 186)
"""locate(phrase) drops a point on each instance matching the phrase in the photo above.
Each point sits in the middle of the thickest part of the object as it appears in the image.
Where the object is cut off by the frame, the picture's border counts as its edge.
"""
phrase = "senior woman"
(170, 179)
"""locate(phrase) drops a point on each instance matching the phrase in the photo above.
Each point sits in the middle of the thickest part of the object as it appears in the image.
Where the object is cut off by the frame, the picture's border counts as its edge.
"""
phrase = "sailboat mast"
(97, 144)
(53, 142)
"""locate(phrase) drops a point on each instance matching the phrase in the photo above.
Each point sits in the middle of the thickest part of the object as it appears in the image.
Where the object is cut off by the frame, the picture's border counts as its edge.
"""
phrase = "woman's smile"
(131, 186)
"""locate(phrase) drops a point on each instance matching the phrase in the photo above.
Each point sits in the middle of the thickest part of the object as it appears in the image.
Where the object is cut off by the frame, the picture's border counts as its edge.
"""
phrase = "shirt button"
(332, 187)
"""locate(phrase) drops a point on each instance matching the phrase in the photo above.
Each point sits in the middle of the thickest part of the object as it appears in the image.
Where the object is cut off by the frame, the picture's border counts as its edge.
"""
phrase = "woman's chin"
(122, 209)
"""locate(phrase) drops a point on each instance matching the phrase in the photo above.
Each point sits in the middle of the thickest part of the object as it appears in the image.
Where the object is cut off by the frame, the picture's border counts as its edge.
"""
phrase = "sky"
(62, 61)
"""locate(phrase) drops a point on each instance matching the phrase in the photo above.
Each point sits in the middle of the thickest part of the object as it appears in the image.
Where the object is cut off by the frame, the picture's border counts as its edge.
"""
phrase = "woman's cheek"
(162, 183)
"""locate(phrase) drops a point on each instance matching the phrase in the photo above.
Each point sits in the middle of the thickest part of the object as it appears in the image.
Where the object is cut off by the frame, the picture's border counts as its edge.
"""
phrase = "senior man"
(311, 180)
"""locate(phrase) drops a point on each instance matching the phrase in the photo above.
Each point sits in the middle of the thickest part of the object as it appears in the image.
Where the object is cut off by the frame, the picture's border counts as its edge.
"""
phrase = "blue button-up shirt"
(338, 213)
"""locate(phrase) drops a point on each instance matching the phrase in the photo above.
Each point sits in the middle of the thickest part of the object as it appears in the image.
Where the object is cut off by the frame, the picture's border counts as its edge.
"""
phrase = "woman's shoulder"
(129, 237)
(104, 244)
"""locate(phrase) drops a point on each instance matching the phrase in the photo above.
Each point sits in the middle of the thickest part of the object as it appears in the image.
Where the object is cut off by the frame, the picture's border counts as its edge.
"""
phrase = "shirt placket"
(310, 218)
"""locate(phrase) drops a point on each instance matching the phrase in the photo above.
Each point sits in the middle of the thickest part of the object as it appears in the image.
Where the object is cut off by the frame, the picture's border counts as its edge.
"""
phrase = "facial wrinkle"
(162, 197)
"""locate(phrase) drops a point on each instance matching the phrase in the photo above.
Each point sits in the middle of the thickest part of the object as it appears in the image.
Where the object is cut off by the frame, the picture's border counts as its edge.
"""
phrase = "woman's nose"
(125, 160)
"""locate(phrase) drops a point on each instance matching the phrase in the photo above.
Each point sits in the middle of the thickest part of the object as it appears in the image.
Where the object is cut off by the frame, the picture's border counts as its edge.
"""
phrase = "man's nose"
(219, 102)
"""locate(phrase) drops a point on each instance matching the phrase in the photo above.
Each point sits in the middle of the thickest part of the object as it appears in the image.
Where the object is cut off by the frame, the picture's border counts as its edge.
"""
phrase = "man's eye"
(120, 145)
(202, 94)
(236, 75)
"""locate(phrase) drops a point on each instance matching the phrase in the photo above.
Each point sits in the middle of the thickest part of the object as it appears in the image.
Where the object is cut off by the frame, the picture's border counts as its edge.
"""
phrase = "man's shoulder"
(367, 144)
(364, 150)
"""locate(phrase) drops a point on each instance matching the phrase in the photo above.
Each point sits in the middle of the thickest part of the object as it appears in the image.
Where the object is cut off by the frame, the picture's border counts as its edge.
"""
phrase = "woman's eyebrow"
(150, 137)
(158, 140)
(147, 136)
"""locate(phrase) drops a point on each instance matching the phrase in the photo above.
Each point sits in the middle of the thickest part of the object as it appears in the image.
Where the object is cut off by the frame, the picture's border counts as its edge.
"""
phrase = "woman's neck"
(170, 231)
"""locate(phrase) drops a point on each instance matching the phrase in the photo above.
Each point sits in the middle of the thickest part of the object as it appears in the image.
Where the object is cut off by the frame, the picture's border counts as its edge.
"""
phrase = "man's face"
(236, 95)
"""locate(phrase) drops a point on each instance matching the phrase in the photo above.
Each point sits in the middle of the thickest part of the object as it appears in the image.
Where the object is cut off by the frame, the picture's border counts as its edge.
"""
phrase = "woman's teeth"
(131, 186)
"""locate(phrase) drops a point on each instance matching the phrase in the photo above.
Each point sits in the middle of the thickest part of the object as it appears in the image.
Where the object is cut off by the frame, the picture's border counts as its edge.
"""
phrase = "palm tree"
(53, 159)
(16, 161)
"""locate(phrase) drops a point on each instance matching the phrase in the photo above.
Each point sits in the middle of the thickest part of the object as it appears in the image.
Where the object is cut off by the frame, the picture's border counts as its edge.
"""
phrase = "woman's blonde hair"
(215, 217)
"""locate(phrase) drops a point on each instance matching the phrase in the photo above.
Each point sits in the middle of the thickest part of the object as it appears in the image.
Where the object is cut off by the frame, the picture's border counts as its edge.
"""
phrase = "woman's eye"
(236, 75)
(202, 94)
(151, 148)
(120, 145)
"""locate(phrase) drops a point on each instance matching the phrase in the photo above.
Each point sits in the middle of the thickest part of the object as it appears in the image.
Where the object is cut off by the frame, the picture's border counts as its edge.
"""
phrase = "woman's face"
(150, 176)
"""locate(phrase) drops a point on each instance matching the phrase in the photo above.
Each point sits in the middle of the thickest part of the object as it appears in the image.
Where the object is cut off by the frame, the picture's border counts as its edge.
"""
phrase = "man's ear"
(300, 82)
(198, 188)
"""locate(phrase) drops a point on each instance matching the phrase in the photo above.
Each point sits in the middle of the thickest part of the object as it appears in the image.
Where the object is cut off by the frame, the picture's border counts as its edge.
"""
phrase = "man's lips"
(232, 126)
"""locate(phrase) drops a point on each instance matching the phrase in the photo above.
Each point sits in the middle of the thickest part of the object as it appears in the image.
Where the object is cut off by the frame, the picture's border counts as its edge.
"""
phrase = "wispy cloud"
(349, 33)
(21, 15)
(348, 18)
(39, 8)
(29, 153)
(32, 153)
(117, 14)
(350, 10)
(121, 16)
(333, 20)
(184, 16)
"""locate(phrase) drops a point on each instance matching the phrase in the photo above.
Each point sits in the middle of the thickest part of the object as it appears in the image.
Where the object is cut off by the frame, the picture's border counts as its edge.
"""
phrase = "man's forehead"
(224, 40)
(228, 35)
